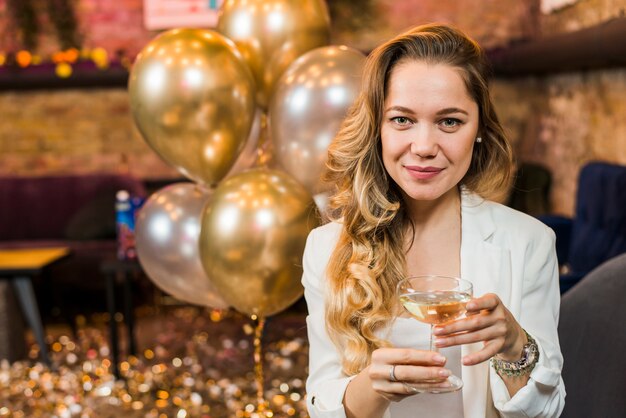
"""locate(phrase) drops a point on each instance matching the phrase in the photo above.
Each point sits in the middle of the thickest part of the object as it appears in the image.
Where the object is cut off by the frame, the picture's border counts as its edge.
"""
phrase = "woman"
(414, 162)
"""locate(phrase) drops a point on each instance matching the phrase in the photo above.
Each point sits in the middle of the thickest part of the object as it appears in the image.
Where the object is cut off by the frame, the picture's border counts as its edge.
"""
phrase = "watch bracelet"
(521, 367)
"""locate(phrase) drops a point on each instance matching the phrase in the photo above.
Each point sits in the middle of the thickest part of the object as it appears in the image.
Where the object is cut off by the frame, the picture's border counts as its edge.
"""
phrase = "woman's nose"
(424, 143)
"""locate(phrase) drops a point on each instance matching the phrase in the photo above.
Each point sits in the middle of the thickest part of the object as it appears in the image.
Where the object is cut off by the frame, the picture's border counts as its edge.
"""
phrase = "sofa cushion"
(599, 230)
(41, 207)
(94, 220)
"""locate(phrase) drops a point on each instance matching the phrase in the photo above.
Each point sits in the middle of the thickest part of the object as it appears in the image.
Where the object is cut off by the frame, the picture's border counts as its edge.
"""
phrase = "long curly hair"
(369, 259)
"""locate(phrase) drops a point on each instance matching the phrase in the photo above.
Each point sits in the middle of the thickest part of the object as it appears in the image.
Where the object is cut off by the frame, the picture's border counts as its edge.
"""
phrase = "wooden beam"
(600, 46)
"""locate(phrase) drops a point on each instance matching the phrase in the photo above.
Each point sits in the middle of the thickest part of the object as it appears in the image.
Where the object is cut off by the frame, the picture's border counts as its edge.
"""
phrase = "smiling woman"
(428, 129)
(414, 163)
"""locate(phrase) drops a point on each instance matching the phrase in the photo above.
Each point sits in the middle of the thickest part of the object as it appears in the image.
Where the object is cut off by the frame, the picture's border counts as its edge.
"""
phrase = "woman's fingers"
(407, 356)
(486, 334)
(488, 301)
(389, 388)
(396, 373)
(408, 373)
(416, 374)
(478, 321)
(489, 350)
(489, 321)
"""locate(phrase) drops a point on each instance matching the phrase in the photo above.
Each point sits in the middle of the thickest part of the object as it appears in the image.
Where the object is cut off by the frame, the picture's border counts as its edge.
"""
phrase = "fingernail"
(471, 305)
(465, 361)
(445, 373)
(439, 358)
(438, 331)
(440, 342)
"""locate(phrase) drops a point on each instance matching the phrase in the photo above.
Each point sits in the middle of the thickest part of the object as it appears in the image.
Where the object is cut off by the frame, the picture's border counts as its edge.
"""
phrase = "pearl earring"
(479, 140)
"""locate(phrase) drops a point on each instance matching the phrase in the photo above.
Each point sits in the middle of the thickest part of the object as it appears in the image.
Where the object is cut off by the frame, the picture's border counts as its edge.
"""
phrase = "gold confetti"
(195, 367)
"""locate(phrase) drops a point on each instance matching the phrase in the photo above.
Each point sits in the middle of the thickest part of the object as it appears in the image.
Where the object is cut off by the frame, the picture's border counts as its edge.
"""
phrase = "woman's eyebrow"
(399, 109)
(446, 111)
(449, 110)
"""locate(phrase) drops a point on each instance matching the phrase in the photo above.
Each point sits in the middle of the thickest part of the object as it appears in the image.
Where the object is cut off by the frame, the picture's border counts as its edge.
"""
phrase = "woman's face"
(429, 127)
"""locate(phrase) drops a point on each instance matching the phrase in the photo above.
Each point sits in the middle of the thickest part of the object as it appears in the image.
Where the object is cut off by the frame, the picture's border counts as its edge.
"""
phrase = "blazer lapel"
(487, 266)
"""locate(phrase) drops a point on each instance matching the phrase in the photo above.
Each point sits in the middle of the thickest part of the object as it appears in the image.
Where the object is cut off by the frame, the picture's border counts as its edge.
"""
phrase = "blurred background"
(561, 114)
(72, 135)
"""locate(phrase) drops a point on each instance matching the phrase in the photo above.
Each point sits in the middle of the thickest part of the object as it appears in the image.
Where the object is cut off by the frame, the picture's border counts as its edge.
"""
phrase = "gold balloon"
(273, 33)
(252, 237)
(192, 98)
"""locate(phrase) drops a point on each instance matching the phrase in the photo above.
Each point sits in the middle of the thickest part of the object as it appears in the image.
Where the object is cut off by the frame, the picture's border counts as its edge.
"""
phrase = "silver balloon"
(167, 234)
(310, 101)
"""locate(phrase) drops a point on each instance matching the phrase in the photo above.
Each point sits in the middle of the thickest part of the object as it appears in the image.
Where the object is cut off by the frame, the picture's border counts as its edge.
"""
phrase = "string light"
(23, 58)
(63, 70)
(64, 60)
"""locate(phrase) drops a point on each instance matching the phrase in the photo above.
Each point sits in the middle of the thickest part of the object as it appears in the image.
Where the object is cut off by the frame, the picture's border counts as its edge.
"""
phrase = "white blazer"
(503, 251)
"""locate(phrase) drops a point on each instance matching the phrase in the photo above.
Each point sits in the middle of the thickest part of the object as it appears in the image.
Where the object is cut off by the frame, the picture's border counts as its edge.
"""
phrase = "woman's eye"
(450, 123)
(401, 120)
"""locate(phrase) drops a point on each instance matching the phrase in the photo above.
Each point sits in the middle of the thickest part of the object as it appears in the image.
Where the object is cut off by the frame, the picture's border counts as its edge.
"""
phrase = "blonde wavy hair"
(369, 259)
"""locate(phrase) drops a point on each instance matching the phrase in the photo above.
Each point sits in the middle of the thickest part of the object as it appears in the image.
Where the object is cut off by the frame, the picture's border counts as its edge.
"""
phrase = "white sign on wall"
(549, 6)
(169, 14)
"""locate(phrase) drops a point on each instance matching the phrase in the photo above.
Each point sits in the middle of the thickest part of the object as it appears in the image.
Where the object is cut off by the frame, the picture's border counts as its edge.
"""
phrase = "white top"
(409, 332)
(503, 252)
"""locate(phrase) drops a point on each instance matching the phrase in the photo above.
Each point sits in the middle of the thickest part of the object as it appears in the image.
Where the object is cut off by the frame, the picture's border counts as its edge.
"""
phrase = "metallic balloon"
(271, 34)
(192, 98)
(253, 234)
(167, 232)
(250, 153)
(310, 102)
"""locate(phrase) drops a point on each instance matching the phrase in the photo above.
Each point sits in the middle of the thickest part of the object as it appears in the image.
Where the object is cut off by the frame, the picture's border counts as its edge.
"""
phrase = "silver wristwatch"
(521, 367)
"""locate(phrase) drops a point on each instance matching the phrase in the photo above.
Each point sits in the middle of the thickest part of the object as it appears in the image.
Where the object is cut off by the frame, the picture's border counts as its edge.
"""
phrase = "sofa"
(597, 232)
(593, 341)
(74, 211)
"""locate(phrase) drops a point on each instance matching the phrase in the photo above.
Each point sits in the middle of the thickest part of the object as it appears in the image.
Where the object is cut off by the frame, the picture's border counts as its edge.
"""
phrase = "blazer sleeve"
(326, 384)
(544, 394)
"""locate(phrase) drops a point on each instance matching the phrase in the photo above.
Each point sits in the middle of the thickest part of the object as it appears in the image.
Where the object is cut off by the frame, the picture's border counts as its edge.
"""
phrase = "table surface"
(30, 259)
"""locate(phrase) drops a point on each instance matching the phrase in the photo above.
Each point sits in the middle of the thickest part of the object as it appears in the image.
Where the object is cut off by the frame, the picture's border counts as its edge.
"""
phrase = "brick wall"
(73, 131)
(113, 25)
(580, 15)
(69, 131)
(566, 118)
(491, 22)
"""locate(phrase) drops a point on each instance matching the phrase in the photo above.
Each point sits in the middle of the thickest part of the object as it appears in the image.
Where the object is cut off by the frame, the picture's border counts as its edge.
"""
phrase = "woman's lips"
(423, 173)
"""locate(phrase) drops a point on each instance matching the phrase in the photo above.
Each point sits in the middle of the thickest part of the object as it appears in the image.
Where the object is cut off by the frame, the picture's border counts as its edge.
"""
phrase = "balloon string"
(262, 404)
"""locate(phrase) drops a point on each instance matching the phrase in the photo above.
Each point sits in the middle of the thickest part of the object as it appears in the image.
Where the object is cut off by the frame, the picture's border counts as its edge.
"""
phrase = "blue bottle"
(125, 226)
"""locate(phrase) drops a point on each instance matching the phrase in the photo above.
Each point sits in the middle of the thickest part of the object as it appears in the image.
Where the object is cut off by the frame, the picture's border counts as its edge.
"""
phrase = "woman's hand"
(413, 370)
(489, 321)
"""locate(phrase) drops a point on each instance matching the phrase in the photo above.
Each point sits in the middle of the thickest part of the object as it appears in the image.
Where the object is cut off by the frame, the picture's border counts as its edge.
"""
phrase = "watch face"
(530, 353)
(523, 366)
